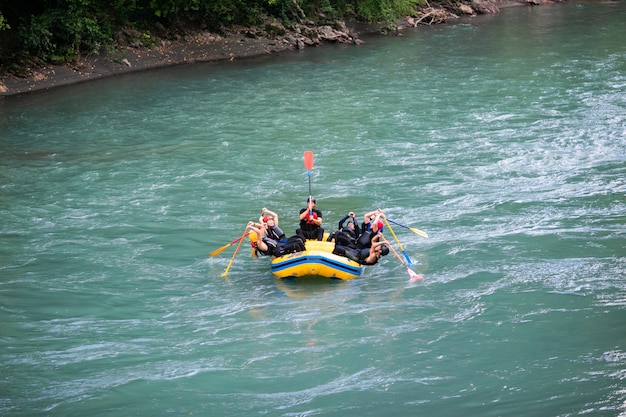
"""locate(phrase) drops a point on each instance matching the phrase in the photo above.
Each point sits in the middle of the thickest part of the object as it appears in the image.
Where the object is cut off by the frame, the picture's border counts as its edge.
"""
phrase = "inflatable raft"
(317, 260)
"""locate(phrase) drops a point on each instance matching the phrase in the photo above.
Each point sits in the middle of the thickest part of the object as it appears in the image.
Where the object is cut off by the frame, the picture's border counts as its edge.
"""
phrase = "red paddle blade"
(308, 160)
(413, 276)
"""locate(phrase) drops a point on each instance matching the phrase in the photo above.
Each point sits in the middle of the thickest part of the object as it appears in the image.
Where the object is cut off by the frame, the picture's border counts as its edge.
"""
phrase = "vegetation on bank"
(58, 31)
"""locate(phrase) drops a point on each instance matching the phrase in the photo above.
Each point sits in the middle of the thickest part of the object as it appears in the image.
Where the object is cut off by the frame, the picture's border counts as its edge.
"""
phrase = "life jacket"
(274, 232)
(349, 231)
(354, 254)
(365, 240)
(346, 237)
(271, 247)
(276, 248)
(291, 245)
(310, 220)
(347, 252)
(363, 254)
(308, 225)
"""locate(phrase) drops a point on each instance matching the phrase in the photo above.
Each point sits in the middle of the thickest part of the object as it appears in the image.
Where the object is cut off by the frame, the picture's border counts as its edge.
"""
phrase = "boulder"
(485, 7)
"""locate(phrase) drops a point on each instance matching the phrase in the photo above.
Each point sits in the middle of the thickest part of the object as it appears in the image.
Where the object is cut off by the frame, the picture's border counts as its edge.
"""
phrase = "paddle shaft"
(233, 257)
(226, 246)
(397, 255)
(310, 194)
(308, 164)
(406, 256)
(412, 275)
(412, 229)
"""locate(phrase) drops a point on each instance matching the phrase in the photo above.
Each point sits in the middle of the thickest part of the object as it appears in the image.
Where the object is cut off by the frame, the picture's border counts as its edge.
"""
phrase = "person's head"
(255, 250)
(267, 219)
(350, 223)
(377, 226)
(311, 200)
(381, 250)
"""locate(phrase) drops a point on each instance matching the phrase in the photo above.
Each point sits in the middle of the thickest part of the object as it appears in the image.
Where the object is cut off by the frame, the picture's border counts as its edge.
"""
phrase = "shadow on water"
(308, 286)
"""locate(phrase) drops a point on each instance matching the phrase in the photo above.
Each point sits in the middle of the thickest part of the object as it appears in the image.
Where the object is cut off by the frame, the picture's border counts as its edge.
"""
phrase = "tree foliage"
(60, 30)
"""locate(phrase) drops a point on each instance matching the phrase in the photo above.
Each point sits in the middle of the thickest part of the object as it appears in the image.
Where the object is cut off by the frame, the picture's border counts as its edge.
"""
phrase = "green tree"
(60, 30)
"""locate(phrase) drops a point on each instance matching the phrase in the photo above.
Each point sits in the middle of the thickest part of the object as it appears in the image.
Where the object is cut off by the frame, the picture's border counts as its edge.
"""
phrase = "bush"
(4, 25)
(60, 37)
(61, 30)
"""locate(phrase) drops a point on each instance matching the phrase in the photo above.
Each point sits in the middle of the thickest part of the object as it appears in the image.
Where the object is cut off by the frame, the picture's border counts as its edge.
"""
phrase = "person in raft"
(310, 222)
(365, 256)
(346, 235)
(270, 219)
(267, 246)
(372, 225)
(380, 247)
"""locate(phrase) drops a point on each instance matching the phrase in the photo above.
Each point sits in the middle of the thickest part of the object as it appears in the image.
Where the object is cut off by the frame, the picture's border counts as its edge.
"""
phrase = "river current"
(503, 137)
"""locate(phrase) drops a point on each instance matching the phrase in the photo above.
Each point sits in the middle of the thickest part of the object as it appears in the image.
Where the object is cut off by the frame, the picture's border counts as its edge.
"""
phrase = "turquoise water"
(503, 137)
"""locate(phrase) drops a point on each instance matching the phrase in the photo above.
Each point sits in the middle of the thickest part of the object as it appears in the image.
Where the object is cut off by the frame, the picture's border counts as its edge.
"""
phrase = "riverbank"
(274, 38)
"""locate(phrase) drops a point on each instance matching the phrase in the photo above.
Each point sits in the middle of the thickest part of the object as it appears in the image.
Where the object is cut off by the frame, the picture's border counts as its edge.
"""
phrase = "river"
(503, 137)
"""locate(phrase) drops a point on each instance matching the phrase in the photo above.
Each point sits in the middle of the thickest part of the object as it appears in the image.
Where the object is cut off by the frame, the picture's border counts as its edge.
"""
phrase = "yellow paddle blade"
(223, 248)
(220, 250)
(419, 232)
(412, 229)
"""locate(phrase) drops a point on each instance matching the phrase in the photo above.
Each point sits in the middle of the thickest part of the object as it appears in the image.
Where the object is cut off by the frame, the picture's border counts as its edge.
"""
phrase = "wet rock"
(465, 9)
(485, 7)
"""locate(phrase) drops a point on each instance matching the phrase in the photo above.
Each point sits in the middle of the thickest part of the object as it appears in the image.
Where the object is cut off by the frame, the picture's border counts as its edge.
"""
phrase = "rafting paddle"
(226, 246)
(234, 254)
(412, 274)
(406, 256)
(412, 229)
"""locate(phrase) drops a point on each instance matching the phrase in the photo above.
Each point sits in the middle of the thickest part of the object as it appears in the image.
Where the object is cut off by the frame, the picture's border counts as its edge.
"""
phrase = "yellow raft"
(317, 260)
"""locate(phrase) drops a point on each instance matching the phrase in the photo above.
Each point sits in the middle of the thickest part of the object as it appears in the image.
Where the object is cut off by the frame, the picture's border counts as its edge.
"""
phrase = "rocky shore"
(131, 54)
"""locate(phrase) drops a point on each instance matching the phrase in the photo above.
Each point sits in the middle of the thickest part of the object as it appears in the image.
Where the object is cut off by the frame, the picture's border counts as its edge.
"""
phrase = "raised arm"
(377, 242)
(368, 216)
(304, 215)
(342, 221)
(259, 230)
(266, 211)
